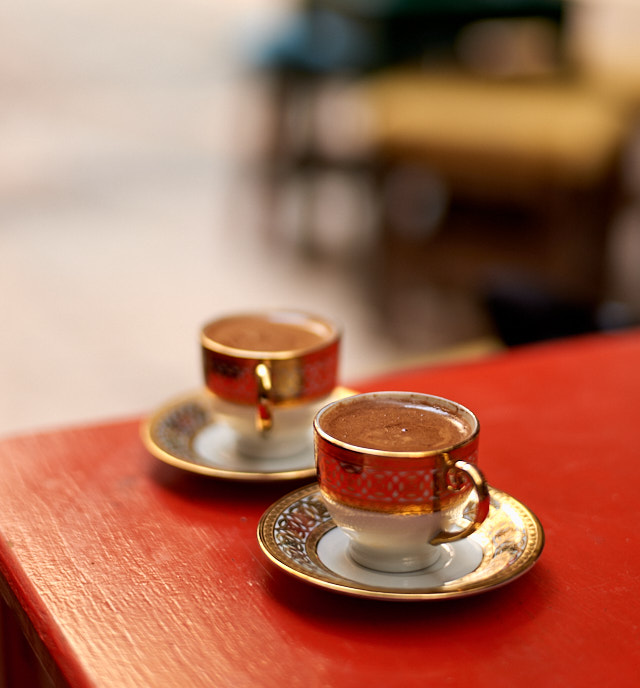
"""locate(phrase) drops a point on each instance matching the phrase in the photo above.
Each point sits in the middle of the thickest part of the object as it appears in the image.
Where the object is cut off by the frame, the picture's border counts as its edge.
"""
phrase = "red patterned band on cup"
(393, 483)
(309, 376)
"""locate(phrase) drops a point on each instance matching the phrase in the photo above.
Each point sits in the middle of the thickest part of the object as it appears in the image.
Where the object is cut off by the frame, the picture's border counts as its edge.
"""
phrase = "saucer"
(185, 433)
(298, 535)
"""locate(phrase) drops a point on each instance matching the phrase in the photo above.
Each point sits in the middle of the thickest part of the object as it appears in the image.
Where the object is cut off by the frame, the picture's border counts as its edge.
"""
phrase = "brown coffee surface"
(393, 425)
(254, 333)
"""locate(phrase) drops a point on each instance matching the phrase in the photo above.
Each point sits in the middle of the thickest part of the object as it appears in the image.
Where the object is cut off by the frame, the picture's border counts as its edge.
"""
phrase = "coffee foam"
(254, 333)
(395, 425)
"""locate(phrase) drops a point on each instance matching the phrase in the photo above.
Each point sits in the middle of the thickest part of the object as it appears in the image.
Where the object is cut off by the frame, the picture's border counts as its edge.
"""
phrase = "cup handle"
(264, 417)
(482, 508)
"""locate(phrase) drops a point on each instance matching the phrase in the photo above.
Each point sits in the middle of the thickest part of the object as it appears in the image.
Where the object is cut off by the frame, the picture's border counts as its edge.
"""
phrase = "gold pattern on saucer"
(170, 433)
(511, 539)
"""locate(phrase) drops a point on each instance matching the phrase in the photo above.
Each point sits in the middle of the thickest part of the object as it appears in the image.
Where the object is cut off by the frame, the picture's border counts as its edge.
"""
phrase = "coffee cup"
(396, 471)
(269, 372)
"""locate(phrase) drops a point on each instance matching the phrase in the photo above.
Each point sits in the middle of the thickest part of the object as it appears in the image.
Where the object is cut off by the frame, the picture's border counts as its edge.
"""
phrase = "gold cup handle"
(482, 508)
(264, 417)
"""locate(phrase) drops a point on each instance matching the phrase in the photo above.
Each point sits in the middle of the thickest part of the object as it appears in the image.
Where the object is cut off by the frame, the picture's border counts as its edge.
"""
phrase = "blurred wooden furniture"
(604, 47)
(117, 570)
(481, 177)
(324, 43)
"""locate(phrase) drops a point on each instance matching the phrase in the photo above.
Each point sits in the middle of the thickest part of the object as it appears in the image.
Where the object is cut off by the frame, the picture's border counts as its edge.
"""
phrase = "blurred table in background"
(486, 181)
(119, 570)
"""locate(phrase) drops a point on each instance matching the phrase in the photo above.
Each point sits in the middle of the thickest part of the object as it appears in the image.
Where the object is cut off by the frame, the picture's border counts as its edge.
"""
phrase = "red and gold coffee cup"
(274, 367)
(396, 471)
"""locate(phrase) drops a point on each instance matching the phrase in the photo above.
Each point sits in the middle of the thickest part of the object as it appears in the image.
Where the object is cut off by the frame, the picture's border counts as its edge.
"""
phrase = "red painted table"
(123, 571)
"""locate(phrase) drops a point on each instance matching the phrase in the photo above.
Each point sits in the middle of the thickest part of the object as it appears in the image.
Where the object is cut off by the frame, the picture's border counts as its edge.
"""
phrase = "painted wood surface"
(123, 571)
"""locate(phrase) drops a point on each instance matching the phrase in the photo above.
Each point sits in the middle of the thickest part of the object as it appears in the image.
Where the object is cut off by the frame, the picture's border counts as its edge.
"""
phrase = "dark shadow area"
(179, 485)
(352, 615)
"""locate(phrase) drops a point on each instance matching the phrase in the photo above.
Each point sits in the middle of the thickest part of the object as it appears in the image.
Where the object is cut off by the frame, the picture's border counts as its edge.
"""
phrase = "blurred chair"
(350, 40)
(490, 184)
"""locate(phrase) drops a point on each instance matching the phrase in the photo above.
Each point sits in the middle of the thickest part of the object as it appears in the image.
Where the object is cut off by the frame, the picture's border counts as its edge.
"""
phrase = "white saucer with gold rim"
(298, 535)
(186, 433)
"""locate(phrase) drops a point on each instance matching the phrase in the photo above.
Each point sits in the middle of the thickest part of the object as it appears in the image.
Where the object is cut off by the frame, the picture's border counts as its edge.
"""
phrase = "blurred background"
(445, 178)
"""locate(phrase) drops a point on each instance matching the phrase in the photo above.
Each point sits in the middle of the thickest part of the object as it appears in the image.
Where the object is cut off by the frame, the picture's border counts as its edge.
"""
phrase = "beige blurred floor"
(125, 218)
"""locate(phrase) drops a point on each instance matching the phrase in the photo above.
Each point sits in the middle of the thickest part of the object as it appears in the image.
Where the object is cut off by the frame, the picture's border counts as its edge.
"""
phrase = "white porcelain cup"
(269, 372)
(396, 470)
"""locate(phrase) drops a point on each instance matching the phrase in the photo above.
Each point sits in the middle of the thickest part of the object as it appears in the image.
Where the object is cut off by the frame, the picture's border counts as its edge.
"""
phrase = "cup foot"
(394, 561)
(265, 447)
(216, 446)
